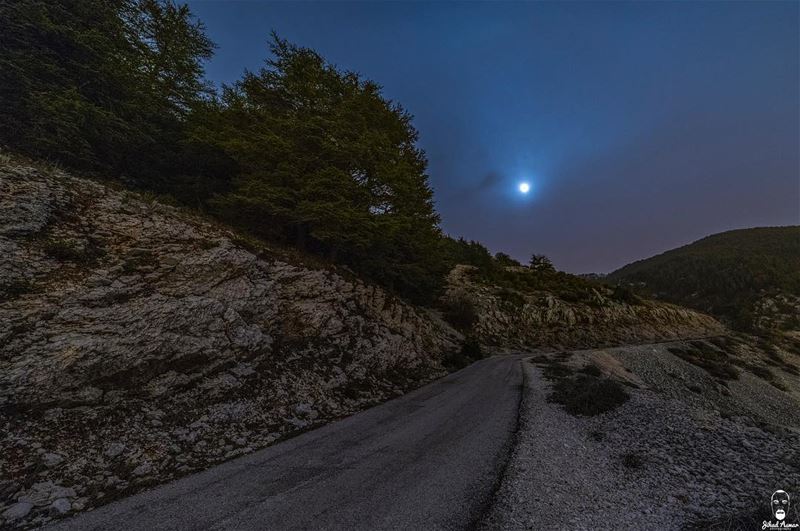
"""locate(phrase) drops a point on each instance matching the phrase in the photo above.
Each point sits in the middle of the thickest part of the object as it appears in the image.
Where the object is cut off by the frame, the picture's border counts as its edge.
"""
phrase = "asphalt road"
(427, 460)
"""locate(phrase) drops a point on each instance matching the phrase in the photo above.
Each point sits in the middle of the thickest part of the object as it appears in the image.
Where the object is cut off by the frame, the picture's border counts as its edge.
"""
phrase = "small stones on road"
(114, 449)
(60, 506)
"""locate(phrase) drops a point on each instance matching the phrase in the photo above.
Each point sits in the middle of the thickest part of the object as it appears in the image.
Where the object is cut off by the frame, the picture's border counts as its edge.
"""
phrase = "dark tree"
(540, 262)
(505, 260)
(331, 166)
(101, 85)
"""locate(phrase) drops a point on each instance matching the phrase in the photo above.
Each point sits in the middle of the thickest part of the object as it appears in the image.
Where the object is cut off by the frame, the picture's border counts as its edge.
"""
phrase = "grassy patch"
(586, 395)
(714, 361)
(583, 392)
(71, 251)
(511, 298)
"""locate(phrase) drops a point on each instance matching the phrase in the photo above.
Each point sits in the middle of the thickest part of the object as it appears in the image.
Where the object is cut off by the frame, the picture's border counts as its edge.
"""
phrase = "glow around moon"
(524, 187)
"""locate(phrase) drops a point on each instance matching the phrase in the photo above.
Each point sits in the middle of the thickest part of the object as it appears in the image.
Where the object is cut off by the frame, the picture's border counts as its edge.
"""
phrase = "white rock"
(114, 449)
(17, 511)
(60, 506)
(52, 459)
(142, 470)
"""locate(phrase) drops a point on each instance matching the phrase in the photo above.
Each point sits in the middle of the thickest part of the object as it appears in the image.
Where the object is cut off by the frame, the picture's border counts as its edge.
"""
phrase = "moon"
(524, 188)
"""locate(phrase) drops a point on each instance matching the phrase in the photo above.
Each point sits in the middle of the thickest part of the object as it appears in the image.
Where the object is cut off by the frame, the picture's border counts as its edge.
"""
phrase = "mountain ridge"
(730, 274)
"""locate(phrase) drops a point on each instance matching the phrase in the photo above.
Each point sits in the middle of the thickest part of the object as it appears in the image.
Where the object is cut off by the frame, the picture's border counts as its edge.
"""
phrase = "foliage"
(540, 262)
(567, 287)
(71, 251)
(714, 361)
(299, 153)
(511, 297)
(331, 166)
(469, 353)
(584, 394)
(460, 251)
(459, 310)
(503, 260)
(103, 86)
(625, 294)
(723, 274)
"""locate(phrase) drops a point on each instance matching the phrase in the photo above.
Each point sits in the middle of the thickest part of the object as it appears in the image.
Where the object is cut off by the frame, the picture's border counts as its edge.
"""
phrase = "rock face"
(138, 343)
(544, 320)
(777, 313)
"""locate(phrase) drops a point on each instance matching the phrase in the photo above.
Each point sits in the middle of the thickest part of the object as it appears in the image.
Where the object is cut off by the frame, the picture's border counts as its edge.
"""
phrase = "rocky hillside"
(139, 343)
(525, 318)
(750, 278)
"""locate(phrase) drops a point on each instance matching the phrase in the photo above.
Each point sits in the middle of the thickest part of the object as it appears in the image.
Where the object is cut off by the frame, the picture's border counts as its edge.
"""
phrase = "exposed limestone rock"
(543, 320)
(137, 339)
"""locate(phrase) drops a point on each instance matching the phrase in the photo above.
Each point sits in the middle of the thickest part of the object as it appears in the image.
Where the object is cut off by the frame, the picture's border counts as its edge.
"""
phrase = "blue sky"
(640, 126)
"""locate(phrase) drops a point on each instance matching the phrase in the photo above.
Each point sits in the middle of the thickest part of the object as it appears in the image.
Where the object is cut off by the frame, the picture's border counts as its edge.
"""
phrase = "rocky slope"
(138, 344)
(542, 319)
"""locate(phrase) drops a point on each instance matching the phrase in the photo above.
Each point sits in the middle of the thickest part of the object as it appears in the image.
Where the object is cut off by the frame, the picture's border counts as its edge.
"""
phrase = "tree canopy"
(299, 152)
(101, 85)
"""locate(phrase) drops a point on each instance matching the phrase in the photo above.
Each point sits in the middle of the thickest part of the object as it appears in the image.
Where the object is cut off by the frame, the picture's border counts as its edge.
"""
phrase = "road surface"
(428, 460)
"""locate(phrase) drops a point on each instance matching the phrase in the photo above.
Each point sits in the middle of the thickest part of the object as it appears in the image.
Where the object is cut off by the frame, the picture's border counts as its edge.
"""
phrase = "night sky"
(641, 127)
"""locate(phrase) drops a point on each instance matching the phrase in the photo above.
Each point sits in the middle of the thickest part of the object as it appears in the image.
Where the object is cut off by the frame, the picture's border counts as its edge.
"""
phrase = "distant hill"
(734, 275)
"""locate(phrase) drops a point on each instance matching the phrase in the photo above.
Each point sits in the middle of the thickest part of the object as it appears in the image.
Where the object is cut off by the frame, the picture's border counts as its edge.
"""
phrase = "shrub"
(632, 460)
(586, 395)
(714, 362)
(15, 288)
(459, 311)
(626, 295)
(592, 370)
(511, 297)
(469, 353)
(64, 250)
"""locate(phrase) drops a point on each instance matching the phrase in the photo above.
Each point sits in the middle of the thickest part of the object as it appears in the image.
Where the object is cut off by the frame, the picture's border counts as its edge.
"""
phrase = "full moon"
(524, 188)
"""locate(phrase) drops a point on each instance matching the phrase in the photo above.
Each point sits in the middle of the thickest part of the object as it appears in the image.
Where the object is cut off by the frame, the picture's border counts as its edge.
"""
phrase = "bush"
(587, 395)
(511, 297)
(632, 460)
(15, 288)
(714, 362)
(626, 295)
(459, 311)
(592, 370)
(469, 353)
(64, 250)
(71, 251)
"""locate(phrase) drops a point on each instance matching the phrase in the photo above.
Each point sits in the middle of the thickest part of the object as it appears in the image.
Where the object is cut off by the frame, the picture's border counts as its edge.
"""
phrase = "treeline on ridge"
(724, 274)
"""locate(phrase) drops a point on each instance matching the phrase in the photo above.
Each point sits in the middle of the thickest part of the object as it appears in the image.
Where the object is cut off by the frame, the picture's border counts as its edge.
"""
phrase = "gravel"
(666, 459)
